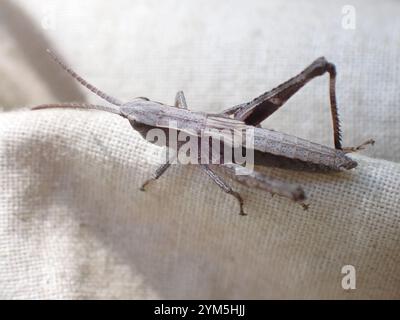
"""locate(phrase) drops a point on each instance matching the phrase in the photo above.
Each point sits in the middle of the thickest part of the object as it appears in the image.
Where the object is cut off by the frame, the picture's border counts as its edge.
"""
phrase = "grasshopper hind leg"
(258, 180)
(260, 108)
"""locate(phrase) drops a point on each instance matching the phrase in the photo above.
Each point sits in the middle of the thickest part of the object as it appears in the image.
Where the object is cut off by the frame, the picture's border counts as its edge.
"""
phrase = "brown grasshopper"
(271, 148)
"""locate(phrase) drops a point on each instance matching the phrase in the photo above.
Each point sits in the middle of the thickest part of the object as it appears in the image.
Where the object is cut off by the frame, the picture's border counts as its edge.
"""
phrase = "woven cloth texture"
(73, 223)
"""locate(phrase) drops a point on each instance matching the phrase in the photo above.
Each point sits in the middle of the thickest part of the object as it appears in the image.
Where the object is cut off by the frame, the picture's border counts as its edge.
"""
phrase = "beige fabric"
(73, 223)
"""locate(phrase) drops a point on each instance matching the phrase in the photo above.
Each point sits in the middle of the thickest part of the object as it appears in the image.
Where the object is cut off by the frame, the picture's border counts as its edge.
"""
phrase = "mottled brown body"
(146, 115)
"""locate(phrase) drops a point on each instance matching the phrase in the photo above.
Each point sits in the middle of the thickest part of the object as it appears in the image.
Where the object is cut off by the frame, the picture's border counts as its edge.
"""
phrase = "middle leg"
(223, 185)
(180, 102)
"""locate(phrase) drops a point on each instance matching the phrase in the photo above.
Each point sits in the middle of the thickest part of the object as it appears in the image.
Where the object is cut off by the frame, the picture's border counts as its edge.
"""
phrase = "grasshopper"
(271, 148)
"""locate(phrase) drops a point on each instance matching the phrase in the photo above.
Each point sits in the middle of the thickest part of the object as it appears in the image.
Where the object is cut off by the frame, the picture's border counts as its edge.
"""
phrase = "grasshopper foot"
(305, 206)
(144, 185)
(360, 147)
(240, 200)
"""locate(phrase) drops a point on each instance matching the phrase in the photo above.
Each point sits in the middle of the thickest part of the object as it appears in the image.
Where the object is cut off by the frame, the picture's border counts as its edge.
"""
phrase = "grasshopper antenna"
(82, 81)
(73, 105)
